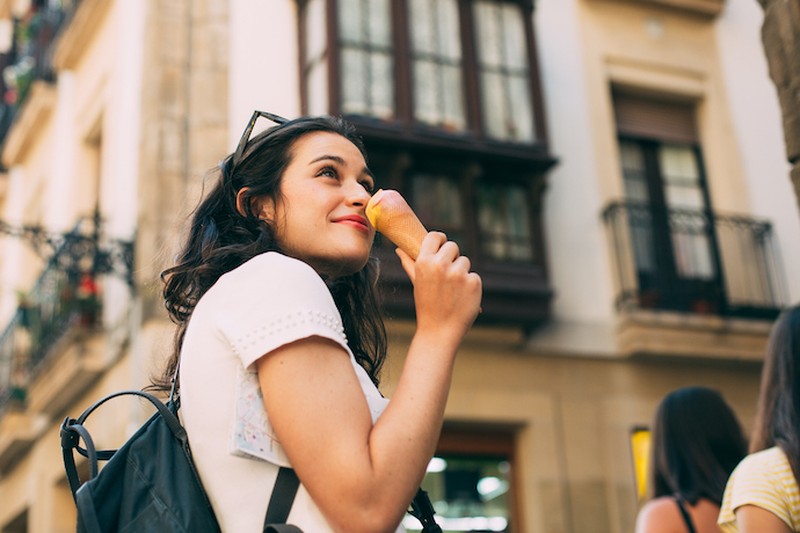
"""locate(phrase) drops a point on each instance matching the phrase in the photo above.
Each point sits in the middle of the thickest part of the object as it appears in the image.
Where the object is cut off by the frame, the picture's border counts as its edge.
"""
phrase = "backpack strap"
(280, 503)
(71, 433)
(73, 430)
(422, 510)
(684, 513)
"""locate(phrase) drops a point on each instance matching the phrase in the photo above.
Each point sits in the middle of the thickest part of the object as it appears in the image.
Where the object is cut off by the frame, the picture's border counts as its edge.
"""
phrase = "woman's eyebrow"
(334, 158)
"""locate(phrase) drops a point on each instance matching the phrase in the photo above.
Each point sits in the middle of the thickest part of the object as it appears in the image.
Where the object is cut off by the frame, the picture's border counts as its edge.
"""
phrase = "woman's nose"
(357, 194)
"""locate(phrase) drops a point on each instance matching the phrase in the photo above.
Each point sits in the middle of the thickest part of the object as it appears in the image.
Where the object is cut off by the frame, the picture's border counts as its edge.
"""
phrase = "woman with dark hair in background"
(696, 443)
(280, 342)
(762, 494)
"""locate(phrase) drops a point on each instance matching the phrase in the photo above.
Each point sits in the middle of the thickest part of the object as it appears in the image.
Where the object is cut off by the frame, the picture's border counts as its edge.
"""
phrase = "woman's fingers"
(407, 263)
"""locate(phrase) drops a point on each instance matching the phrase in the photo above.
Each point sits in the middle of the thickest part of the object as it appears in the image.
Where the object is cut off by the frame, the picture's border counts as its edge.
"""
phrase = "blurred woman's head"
(696, 443)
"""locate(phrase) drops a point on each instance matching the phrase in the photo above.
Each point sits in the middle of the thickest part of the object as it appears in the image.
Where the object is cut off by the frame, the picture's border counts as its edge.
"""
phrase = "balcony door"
(670, 219)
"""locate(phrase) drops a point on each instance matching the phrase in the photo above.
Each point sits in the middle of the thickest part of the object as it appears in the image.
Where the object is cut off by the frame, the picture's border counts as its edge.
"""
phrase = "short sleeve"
(759, 480)
(275, 300)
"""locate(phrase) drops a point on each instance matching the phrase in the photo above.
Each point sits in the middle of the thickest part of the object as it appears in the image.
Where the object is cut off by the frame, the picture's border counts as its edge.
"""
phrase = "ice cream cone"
(389, 214)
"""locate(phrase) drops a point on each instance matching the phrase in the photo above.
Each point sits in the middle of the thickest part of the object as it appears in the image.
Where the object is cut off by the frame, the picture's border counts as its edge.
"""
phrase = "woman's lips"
(354, 220)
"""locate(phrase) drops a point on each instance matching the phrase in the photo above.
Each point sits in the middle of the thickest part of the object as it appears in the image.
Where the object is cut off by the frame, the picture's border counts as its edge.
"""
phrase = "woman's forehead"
(318, 143)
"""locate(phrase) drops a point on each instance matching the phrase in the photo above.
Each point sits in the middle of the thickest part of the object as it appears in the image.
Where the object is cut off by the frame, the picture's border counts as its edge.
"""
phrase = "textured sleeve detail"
(274, 300)
(284, 329)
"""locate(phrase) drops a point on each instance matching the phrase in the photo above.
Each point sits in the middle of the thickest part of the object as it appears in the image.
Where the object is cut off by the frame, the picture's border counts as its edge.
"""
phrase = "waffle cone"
(389, 214)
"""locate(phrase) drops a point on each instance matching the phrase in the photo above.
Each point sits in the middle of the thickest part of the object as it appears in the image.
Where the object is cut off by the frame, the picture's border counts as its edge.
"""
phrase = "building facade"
(614, 168)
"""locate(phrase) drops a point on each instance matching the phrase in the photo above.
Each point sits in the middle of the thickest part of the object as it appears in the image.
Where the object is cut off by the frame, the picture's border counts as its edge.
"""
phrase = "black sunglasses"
(237, 155)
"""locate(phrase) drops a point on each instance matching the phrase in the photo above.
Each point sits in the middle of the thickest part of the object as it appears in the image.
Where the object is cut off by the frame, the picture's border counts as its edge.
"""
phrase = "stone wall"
(781, 36)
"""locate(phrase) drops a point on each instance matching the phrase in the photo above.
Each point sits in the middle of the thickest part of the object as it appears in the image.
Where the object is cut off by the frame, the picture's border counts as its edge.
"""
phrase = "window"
(445, 94)
(671, 227)
(470, 482)
(456, 67)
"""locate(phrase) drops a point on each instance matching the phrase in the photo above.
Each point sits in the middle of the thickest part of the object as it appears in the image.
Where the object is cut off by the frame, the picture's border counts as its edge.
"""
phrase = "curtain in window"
(437, 63)
(437, 201)
(504, 71)
(367, 65)
(503, 222)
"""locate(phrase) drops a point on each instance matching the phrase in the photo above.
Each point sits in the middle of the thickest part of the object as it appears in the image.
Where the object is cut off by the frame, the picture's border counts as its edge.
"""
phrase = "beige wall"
(573, 418)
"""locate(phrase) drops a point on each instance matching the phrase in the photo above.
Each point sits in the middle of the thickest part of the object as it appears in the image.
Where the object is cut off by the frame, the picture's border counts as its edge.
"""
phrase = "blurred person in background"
(697, 442)
(762, 494)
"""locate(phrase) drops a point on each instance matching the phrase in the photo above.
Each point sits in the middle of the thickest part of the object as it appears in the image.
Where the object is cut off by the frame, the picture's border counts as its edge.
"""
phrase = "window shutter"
(661, 120)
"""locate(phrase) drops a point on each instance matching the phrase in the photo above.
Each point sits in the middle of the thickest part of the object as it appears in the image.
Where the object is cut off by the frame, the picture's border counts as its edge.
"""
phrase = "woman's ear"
(263, 208)
(241, 198)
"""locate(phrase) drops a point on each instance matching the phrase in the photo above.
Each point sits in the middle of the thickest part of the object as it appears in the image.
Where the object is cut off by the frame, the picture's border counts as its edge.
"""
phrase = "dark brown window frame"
(404, 126)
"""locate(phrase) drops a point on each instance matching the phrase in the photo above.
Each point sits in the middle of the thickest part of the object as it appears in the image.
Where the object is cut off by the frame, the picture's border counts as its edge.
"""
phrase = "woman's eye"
(369, 186)
(329, 172)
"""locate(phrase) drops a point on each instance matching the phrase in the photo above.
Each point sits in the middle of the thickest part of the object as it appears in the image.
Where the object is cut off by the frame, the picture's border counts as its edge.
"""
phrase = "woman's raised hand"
(447, 295)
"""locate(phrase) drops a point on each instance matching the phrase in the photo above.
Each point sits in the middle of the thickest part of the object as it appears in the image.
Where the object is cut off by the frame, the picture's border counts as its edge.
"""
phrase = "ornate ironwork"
(720, 264)
(65, 296)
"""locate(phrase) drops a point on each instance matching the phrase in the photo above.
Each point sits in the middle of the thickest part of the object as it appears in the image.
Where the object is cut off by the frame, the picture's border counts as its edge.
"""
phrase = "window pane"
(633, 173)
(504, 223)
(367, 66)
(493, 104)
(514, 38)
(454, 99)
(425, 92)
(436, 63)
(505, 77)
(354, 97)
(437, 201)
(379, 25)
(381, 85)
(468, 492)
(681, 176)
(521, 124)
(351, 21)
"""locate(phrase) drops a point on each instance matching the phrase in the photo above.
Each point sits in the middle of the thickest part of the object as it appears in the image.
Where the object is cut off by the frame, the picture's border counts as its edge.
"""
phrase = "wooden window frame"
(403, 125)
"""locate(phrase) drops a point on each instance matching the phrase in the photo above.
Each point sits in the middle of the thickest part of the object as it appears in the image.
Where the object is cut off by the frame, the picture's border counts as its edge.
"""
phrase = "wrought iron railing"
(64, 297)
(30, 57)
(695, 261)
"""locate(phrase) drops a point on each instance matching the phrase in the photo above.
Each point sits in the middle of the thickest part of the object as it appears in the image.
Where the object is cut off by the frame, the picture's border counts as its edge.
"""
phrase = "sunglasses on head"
(248, 131)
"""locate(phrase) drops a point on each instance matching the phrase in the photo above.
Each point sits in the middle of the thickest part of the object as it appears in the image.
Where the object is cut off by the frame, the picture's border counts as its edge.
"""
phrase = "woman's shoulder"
(268, 270)
(769, 460)
(659, 515)
(274, 261)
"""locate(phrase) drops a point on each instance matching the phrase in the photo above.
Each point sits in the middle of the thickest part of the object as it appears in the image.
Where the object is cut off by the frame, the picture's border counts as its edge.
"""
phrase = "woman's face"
(320, 214)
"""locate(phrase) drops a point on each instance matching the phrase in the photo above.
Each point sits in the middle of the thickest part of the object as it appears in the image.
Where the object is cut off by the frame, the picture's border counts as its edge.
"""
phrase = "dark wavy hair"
(697, 442)
(220, 239)
(778, 413)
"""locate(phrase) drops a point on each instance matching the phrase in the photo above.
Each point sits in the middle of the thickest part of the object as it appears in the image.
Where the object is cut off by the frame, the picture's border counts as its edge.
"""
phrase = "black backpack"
(151, 484)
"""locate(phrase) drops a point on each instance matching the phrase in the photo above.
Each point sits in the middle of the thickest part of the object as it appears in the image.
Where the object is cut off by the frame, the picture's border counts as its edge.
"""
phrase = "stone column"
(780, 34)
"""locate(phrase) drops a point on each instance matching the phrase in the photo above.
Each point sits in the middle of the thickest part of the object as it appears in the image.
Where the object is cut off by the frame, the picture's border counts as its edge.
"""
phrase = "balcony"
(63, 302)
(28, 57)
(693, 282)
(699, 263)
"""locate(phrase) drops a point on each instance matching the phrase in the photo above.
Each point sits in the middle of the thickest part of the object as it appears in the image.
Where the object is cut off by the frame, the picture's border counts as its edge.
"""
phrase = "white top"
(269, 301)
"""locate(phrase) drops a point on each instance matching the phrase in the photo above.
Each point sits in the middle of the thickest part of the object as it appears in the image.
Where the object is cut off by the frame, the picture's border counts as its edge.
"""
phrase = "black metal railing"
(695, 261)
(30, 57)
(64, 297)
